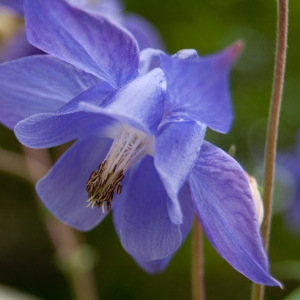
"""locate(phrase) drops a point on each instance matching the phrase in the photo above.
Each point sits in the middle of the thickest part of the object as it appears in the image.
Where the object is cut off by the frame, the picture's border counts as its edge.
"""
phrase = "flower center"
(127, 149)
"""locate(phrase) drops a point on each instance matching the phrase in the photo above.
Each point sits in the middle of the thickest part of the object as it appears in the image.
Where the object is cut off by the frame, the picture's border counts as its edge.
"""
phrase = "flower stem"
(272, 132)
(198, 291)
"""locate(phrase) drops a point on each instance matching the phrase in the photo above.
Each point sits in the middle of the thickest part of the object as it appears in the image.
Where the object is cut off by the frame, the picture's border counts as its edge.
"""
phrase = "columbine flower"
(139, 126)
(290, 161)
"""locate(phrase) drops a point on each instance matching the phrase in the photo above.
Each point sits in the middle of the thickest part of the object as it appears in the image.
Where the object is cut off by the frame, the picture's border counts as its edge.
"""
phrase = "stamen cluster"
(101, 187)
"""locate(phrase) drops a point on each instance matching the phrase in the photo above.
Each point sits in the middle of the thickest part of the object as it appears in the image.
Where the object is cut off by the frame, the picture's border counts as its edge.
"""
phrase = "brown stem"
(272, 132)
(198, 287)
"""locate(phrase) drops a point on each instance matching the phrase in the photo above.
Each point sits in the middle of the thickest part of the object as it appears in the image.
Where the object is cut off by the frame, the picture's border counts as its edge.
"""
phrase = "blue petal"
(49, 130)
(89, 42)
(199, 88)
(176, 149)
(62, 190)
(140, 103)
(151, 266)
(156, 266)
(141, 216)
(144, 32)
(38, 84)
(224, 205)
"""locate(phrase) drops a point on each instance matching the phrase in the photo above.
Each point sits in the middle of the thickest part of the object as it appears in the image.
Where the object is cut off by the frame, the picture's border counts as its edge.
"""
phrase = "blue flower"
(290, 161)
(139, 121)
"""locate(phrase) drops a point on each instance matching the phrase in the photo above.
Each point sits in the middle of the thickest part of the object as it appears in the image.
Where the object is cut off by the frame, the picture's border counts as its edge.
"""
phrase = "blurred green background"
(27, 258)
